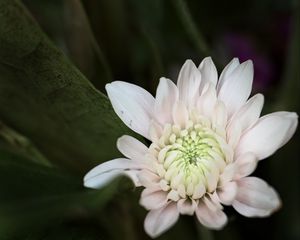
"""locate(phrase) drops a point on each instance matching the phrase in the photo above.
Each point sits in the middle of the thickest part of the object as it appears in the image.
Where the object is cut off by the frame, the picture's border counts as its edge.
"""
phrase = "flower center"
(190, 160)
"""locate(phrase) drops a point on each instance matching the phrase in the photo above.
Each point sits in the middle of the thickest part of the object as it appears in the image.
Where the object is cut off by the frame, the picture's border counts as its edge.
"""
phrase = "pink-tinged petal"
(148, 179)
(234, 63)
(255, 198)
(132, 148)
(213, 219)
(228, 174)
(245, 165)
(133, 104)
(105, 172)
(248, 114)
(103, 179)
(219, 116)
(153, 198)
(160, 220)
(227, 193)
(155, 131)
(208, 72)
(166, 96)
(186, 206)
(207, 100)
(180, 114)
(188, 83)
(270, 133)
(237, 87)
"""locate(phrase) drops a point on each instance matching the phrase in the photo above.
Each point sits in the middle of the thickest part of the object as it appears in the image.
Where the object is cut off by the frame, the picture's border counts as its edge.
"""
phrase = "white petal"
(219, 116)
(180, 114)
(148, 179)
(237, 87)
(160, 220)
(213, 219)
(208, 72)
(207, 100)
(155, 131)
(245, 165)
(271, 132)
(228, 174)
(131, 147)
(186, 206)
(227, 193)
(153, 198)
(234, 63)
(166, 96)
(105, 172)
(255, 198)
(247, 115)
(188, 83)
(133, 104)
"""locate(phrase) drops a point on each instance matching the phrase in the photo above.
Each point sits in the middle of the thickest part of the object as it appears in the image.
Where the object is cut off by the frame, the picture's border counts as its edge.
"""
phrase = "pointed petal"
(213, 219)
(153, 198)
(233, 64)
(227, 193)
(160, 220)
(166, 96)
(133, 104)
(188, 83)
(208, 72)
(270, 133)
(237, 87)
(248, 115)
(255, 198)
(105, 172)
(131, 147)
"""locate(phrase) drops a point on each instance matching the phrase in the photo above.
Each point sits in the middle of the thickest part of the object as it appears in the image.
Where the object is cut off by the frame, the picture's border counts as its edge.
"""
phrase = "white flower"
(206, 139)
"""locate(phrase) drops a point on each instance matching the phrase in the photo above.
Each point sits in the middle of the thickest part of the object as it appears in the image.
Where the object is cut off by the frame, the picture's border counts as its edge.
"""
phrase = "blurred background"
(137, 41)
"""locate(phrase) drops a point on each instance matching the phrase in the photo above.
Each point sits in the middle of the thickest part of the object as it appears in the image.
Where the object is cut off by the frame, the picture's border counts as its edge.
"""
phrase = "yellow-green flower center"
(190, 160)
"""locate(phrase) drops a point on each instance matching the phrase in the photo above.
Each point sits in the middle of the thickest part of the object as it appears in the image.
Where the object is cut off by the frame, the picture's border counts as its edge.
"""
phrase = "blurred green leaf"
(44, 97)
(15, 142)
(34, 197)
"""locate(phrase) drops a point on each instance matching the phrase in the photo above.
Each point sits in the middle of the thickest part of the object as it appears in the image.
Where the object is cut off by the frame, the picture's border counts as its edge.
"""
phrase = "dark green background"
(55, 122)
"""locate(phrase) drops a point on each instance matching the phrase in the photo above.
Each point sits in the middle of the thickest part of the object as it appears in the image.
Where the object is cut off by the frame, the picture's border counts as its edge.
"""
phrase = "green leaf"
(44, 97)
(34, 197)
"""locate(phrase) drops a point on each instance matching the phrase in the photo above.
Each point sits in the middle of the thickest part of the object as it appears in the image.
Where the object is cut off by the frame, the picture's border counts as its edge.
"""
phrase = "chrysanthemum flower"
(206, 139)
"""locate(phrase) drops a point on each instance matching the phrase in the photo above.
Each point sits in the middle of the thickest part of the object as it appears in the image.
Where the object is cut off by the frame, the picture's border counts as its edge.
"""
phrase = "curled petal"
(105, 172)
(270, 133)
(166, 96)
(237, 87)
(133, 104)
(160, 220)
(227, 193)
(255, 198)
(187, 206)
(213, 219)
(188, 83)
(153, 198)
(131, 147)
